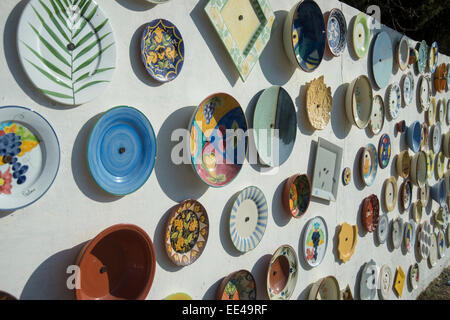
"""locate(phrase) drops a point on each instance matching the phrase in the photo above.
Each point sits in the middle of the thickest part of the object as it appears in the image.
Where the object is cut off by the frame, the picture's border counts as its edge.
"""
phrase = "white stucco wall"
(39, 242)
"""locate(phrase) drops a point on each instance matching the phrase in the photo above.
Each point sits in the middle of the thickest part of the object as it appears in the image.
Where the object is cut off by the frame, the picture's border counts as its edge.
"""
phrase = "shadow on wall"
(259, 272)
(49, 280)
(225, 238)
(339, 123)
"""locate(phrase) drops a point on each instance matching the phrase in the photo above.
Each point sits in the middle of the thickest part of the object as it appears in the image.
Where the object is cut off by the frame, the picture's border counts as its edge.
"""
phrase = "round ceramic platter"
(397, 232)
(384, 150)
(121, 150)
(440, 79)
(433, 256)
(383, 229)
(441, 216)
(275, 126)
(423, 57)
(162, 50)
(346, 176)
(424, 194)
(395, 100)
(369, 164)
(248, 219)
(433, 57)
(29, 157)
(425, 239)
(187, 231)
(441, 244)
(361, 35)
(417, 208)
(336, 28)
(403, 53)
(359, 102)
(436, 138)
(325, 289)
(408, 88)
(347, 240)
(382, 59)
(377, 118)
(315, 241)
(406, 194)
(386, 278)
(218, 141)
(239, 285)
(418, 171)
(282, 273)
(319, 103)
(431, 112)
(403, 164)
(68, 52)
(390, 193)
(368, 285)
(409, 235)
(424, 93)
(414, 275)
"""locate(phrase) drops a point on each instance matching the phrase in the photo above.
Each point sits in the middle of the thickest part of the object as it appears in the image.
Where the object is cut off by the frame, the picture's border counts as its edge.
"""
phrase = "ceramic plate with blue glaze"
(121, 150)
(162, 50)
(382, 59)
(384, 150)
(423, 54)
(336, 32)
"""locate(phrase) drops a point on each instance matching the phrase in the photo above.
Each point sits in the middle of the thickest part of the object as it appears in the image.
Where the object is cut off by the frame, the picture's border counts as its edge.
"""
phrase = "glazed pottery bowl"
(282, 273)
(406, 194)
(419, 169)
(440, 79)
(297, 195)
(369, 164)
(117, 264)
(325, 289)
(414, 136)
(439, 192)
(239, 285)
(370, 213)
(359, 102)
(347, 240)
(414, 275)
(336, 29)
(390, 193)
(403, 53)
(361, 35)
(403, 164)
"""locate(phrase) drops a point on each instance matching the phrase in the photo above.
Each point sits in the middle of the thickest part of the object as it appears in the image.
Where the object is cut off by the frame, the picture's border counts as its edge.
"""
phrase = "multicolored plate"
(282, 273)
(315, 241)
(239, 285)
(409, 235)
(414, 275)
(369, 164)
(367, 284)
(433, 57)
(382, 59)
(406, 194)
(346, 176)
(297, 195)
(403, 53)
(336, 28)
(441, 244)
(384, 150)
(377, 118)
(397, 232)
(361, 35)
(423, 56)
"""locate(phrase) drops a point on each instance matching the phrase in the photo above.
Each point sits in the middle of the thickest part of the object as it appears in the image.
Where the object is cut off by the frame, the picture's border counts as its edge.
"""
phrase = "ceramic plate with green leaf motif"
(67, 48)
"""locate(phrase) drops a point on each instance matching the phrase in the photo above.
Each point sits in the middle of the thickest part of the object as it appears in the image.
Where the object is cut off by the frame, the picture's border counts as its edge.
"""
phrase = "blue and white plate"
(336, 28)
(121, 150)
(248, 219)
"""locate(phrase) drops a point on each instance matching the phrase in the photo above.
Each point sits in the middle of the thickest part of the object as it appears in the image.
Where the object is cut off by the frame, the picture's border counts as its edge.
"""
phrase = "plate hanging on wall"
(319, 103)
(394, 100)
(414, 275)
(433, 57)
(315, 241)
(377, 118)
(383, 229)
(239, 285)
(436, 138)
(359, 102)
(386, 278)
(370, 213)
(336, 29)
(409, 235)
(282, 273)
(408, 88)
(367, 284)
(417, 208)
(403, 53)
(432, 257)
(384, 150)
(424, 237)
(29, 157)
(390, 193)
(369, 164)
(68, 52)
(361, 35)
(382, 59)
(297, 195)
(399, 281)
(424, 93)
(347, 240)
(406, 194)
(423, 57)
(441, 244)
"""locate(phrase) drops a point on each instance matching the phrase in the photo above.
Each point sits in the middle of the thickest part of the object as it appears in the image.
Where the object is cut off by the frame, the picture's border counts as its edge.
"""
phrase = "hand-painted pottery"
(424, 141)
(297, 195)
(441, 216)
(6, 296)
(436, 138)
(29, 157)
(408, 88)
(414, 275)
(430, 163)
(361, 35)
(162, 50)
(370, 213)
(413, 56)
(319, 103)
(424, 195)
(440, 165)
(406, 194)
(403, 164)
(409, 235)
(239, 285)
(315, 241)
(414, 136)
(424, 236)
(424, 93)
(369, 164)
(390, 193)
(433, 256)
(368, 285)
(347, 239)
(383, 229)
(187, 231)
(431, 112)
(119, 263)
(359, 102)
(346, 294)
(403, 53)
(401, 126)
(282, 273)
(395, 101)
(433, 57)
(336, 29)
(121, 151)
(440, 78)
(441, 244)
(418, 171)
(304, 35)
(382, 59)
(275, 125)
(218, 140)
(440, 111)
(244, 28)
(67, 50)
(399, 281)
(377, 118)
(248, 219)
(385, 278)
(327, 169)
(325, 289)
(346, 176)
(384, 150)
(439, 192)
(417, 209)
(423, 57)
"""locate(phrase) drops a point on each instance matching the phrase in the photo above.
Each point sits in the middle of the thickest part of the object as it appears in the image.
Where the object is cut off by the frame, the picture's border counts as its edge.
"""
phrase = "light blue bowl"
(414, 136)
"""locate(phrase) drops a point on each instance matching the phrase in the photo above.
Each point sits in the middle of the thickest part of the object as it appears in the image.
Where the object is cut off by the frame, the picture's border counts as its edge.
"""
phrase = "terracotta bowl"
(239, 285)
(403, 164)
(117, 264)
(6, 296)
(359, 113)
(370, 213)
(297, 195)
(325, 289)
(440, 79)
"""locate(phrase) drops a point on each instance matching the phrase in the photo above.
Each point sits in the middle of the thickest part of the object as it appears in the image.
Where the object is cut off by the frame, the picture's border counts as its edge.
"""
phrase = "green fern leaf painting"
(67, 48)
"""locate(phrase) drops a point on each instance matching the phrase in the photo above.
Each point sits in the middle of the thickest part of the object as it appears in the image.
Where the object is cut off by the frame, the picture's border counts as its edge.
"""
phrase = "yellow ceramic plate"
(399, 281)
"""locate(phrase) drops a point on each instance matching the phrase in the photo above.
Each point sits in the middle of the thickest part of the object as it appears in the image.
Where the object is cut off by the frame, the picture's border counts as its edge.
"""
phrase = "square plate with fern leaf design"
(67, 48)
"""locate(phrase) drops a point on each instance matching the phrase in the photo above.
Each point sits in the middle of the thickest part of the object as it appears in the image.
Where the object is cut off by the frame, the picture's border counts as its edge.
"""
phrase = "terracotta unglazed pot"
(117, 264)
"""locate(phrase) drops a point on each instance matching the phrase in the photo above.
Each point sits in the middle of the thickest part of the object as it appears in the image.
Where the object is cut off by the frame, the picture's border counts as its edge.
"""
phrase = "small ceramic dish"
(430, 163)
(383, 229)
(377, 118)
(403, 164)
(325, 289)
(424, 194)
(414, 136)
(433, 256)
(431, 112)
(418, 171)
(394, 101)
(384, 150)
(386, 278)
(417, 209)
(433, 57)
(406, 194)
(282, 273)
(440, 111)
(178, 296)
(436, 138)
(239, 285)
(248, 219)
(441, 244)
(397, 232)
(399, 281)
(359, 102)
(336, 29)
(186, 232)
(297, 195)
(390, 193)
(382, 59)
(369, 164)
(319, 102)
(403, 53)
(440, 165)
(424, 88)
(401, 126)
(370, 213)
(346, 176)
(368, 284)
(441, 217)
(423, 57)
(347, 240)
(424, 141)
(424, 236)
(361, 35)
(408, 88)
(409, 235)
(440, 78)
(315, 241)
(414, 275)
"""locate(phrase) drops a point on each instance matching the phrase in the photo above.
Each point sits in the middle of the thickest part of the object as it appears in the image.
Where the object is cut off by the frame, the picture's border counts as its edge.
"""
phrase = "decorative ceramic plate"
(417, 209)
(382, 59)
(433, 57)
(315, 241)
(162, 50)
(370, 213)
(218, 140)
(441, 244)
(399, 281)
(121, 150)
(239, 285)
(377, 118)
(406, 194)
(440, 111)
(418, 172)
(383, 229)
(361, 35)
(414, 275)
(441, 217)
(433, 256)
(244, 28)
(384, 150)
(403, 164)
(397, 232)
(430, 163)
(424, 140)
(325, 289)
(440, 165)
(336, 28)
(413, 56)
(304, 35)
(275, 126)
(282, 273)
(319, 103)
(424, 237)
(386, 278)
(403, 53)
(359, 102)
(408, 88)
(347, 239)
(440, 78)
(248, 219)
(390, 193)
(368, 282)
(414, 136)
(369, 164)
(424, 194)
(297, 195)
(436, 138)
(346, 176)
(395, 100)
(187, 231)
(423, 57)
(409, 235)
(29, 157)
(346, 294)
(327, 169)
(424, 93)
(431, 112)
(68, 51)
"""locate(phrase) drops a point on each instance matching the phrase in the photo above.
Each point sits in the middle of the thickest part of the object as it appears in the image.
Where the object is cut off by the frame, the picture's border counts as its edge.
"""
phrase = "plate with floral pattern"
(187, 231)
(423, 56)
(408, 88)
(384, 150)
(377, 118)
(29, 157)
(395, 100)
(282, 273)
(239, 285)
(406, 194)
(336, 28)
(315, 241)
(414, 275)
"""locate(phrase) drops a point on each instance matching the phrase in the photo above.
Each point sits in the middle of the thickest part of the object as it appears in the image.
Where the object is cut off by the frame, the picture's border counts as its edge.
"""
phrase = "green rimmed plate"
(361, 35)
